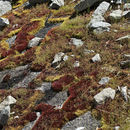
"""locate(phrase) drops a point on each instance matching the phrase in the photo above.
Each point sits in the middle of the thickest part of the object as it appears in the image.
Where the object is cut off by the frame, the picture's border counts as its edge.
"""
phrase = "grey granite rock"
(5, 6)
(85, 121)
(104, 94)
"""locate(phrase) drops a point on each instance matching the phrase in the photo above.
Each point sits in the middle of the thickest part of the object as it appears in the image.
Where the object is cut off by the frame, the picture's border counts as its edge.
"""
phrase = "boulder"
(101, 9)
(3, 23)
(104, 94)
(5, 6)
(85, 4)
(97, 23)
(34, 42)
(85, 122)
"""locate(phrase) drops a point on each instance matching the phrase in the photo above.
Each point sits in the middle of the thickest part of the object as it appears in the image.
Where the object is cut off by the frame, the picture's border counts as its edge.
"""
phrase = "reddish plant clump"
(42, 107)
(63, 81)
(31, 116)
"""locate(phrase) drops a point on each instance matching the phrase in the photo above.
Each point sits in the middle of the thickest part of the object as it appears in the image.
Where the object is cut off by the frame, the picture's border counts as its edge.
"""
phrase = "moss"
(53, 78)
(57, 20)
(14, 32)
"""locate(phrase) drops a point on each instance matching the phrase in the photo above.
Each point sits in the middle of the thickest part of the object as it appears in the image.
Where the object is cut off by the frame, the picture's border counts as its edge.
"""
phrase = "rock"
(30, 125)
(44, 87)
(124, 37)
(56, 4)
(104, 94)
(58, 99)
(117, 128)
(86, 120)
(76, 64)
(8, 101)
(96, 58)
(127, 6)
(126, 14)
(104, 80)
(80, 128)
(34, 2)
(85, 4)
(97, 23)
(65, 58)
(102, 26)
(11, 40)
(76, 42)
(58, 58)
(3, 23)
(9, 78)
(125, 64)
(123, 91)
(116, 14)
(97, 18)
(34, 42)
(127, 56)
(4, 115)
(5, 6)
(86, 51)
(27, 79)
(101, 9)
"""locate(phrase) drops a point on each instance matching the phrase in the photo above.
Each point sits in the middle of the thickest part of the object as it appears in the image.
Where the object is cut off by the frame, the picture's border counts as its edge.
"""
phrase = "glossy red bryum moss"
(50, 118)
(63, 81)
(80, 96)
(23, 37)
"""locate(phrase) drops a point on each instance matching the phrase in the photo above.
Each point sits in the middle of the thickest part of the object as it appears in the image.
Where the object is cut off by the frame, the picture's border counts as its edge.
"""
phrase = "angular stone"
(104, 80)
(8, 101)
(86, 120)
(85, 4)
(116, 14)
(125, 64)
(4, 115)
(76, 42)
(58, 57)
(3, 23)
(103, 25)
(56, 4)
(5, 6)
(76, 64)
(127, 6)
(101, 9)
(123, 91)
(34, 2)
(96, 58)
(34, 42)
(104, 94)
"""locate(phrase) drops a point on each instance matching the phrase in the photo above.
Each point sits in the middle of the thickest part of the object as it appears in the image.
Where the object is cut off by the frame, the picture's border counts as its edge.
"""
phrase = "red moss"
(30, 116)
(42, 107)
(63, 81)
(79, 72)
(50, 120)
